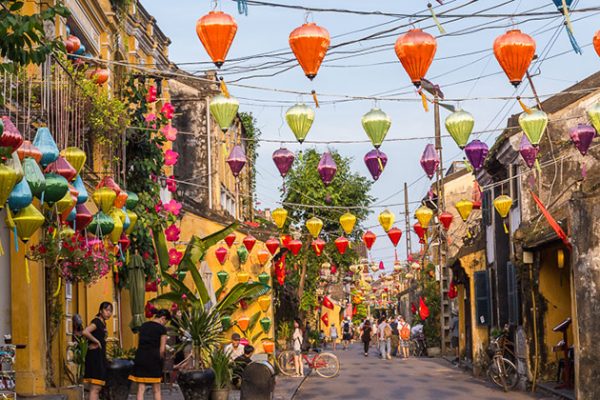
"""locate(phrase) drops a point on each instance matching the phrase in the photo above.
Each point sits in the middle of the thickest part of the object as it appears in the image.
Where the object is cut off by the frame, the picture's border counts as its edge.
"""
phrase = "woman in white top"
(333, 334)
(297, 339)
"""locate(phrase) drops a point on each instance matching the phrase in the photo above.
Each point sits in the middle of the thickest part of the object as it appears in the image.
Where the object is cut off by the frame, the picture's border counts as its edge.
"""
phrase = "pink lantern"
(236, 160)
(283, 159)
(171, 157)
(582, 136)
(167, 110)
(381, 266)
(375, 160)
(327, 168)
(430, 160)
(528, 151)
(476, 152)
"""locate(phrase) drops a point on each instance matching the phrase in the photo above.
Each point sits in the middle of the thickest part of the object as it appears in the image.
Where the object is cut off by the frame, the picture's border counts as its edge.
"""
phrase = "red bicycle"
(325, 365)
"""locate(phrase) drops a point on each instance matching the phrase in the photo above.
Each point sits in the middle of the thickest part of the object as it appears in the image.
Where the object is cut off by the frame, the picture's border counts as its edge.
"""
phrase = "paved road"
(370, 378)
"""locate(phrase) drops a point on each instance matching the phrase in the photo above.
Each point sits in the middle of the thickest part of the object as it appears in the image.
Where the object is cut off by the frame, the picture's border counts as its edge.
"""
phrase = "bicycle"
(503, 371)
(418, 346)
(326, 365)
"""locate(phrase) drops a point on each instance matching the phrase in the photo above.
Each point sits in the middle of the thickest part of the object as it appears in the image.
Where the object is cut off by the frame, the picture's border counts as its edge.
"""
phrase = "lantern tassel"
(223, 87)
(314, 96)
(27, 274)
(380, 164)
(565, 10)
(242, 7)
(57, 291)
(523, 106)
(424, 101)
(16, 239)
(583, 170)
(573, 41)
(505, 228)
(435, 19)
(468, 233)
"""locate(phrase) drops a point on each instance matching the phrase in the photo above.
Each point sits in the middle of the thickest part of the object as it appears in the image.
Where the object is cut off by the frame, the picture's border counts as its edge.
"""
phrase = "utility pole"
(407, 220)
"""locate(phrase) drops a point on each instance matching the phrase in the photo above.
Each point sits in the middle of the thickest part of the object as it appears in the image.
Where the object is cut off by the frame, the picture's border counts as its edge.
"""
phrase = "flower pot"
(117, 380)
(219, 394)
(196, 384)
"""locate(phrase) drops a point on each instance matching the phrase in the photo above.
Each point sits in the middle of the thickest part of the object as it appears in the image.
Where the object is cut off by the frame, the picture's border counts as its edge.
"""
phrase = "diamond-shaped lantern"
(300, 118)
(327, 168)
(375, 160)
(283, 159)
(236, 160)
(476, 152)
(430, 160)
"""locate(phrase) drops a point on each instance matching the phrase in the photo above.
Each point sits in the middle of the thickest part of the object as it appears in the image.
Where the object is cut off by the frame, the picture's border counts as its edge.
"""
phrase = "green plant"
(223, 368)
(284, 331)
(79, 352)
(116, 352)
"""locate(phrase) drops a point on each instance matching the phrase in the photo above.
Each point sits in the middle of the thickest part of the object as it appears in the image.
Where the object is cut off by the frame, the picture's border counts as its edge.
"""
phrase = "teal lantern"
(45, 143)
(83, 195)
(34, 177)
(56, 188)
(224, 109)
(376, 124)
(223, 277)
(20, 197)
(101, 224)
(300, 118)
(534, 124)
(132, 200)
(459, 125)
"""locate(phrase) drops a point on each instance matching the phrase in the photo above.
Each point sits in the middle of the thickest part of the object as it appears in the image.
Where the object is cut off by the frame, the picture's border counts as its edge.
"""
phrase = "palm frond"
(241, 291)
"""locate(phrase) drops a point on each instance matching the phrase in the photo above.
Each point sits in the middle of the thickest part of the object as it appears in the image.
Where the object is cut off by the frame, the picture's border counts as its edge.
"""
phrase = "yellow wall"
(334, 319)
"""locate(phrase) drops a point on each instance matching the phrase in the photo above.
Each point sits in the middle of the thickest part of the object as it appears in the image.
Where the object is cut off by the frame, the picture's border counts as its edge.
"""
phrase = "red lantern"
(325, 319)
(368, 239)
(420, 232)
(28, 150)
(75, 43)
(100, 76)
(221, 254)
(285, 240)
(342, 244)
(327, 303)
(423, 309)
(309, 43)
(216, 31)
(249, 242)
(318, 245)
(124, 242)
(109, 182)
(596, 41)
(230, 239)
(272, 245)
(514, 51)
(333, 270)
(294, 246)
(452, 291)
(381, 267)
(415, 50)
(446, 219)
(395, 234)
(62, 167)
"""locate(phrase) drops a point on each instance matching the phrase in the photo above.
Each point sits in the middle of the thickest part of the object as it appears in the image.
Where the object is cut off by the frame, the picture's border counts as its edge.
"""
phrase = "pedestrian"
(333, 335)
(346, 333)
(150, 354)
(297, 341)
(366, 336)
(384, 334)
(395, 340)
(95, 359)
(322, 338)
(234, 349)
(240, 365)
(454, 335)
(404, 330)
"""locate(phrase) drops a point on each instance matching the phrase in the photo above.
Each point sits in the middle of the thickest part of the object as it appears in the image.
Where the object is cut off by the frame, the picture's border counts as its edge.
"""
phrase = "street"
(372, 378)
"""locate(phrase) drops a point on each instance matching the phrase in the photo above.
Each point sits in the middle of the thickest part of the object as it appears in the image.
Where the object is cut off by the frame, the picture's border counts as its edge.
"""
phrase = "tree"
(305, 188)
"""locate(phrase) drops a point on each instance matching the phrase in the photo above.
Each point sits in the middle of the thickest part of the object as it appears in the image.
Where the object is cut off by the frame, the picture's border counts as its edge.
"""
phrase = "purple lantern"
(283, 159)
(375, 161)
(476, 152)
(582, 136)
(327, 168)
(430, 160)
(236, 160)
(528, 151)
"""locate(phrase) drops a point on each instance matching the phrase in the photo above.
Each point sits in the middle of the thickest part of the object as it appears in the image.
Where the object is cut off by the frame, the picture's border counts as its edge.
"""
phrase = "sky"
(464, 67)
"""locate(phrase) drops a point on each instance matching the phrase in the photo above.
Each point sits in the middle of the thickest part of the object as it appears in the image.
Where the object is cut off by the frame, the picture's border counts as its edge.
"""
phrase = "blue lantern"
(45, 143)
(83, 195)
(127, 221)
(20, 197)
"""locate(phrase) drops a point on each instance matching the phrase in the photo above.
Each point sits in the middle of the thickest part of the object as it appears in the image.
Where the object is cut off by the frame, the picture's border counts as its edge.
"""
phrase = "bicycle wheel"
(413, 348)
(285, 363)
(503, 373)
(326, 365)
(511, 375)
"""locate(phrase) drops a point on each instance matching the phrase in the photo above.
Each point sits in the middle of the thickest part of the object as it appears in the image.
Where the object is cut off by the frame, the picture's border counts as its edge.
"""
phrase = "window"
(228, 201)
(482, 298)
(513, 294)
(486, 208)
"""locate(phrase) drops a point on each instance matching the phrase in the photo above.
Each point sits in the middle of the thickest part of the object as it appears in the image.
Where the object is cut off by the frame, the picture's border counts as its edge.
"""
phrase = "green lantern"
(132, 200)
(459, 125)
(224, 109)
(101, 224)
(34, 176)
(265, 324)
(56, 188)
(223, 277)
(593, 113)
(226, 322)
(376, 124)
(300, 118)
(242, 253)
(534, 124)
(264, 278)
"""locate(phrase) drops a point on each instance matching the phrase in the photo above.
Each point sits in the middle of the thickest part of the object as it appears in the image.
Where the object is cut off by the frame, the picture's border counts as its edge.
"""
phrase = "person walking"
(454, 335)
(95, 359)
(346, 333)
(404, 331)
(384, 334)
(234, 349)
(150, 354)
(365, 336)
(333, 335)
(395, 340)
(297, 341)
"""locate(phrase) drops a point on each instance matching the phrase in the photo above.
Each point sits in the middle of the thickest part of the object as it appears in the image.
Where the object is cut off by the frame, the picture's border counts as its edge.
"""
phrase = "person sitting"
(234, 349)
(241, 363)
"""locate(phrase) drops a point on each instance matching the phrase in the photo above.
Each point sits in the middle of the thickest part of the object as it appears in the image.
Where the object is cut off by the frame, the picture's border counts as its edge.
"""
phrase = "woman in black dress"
(150, 354)
(95, 359)
(366, 336)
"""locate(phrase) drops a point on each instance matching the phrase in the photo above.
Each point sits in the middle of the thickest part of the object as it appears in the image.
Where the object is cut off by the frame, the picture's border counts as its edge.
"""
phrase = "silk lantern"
(242, 253)
(20, 197)
(226, 322)
(464, 208)
(309, 43)
(514, 51)
(104, 198)
(121, 200)
(15, 163)
(424, 215)
(133, 218)
(394, 234)
(582, 136)
(420, 232)
(268, 346)
(279, 217)
(10, 137)
(249, 242)
(216, 31)
(99, 76)
(503, 204)
(476, 152)
(528, 151)
(318, 245)
(117, 217)
(314, 226)
(416, 50)
(347, 221)
(341, 244)
(230, 239)
(243, 322)
(56, 188)
(221, 254)
(283, 159)
(376, 124)
(264, 278)
(132, 200)
(126, 219)
(272, 245)
(224, 109)
(446, 219)
(596, 42)
(66, 203)
(82, 195)
(459, 125)
(327, 168)
(83, 217)
(124, 243)
(300, 118)
(294, 246)
(369, 239)
(243, 277)
(265, 324)
(386, 219)
(46, 145)
(101, 225)
(8, 180)
(236, 160)
(223, 276)
(263, 256)
(264, 302)
(375, 160)
(27, 221)
(430, 160)
(534, 124)
(27, 149)
(76, 158)
(62, 167)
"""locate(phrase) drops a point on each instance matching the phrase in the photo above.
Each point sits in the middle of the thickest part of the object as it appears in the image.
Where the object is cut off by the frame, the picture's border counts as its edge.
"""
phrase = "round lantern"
(318, 245)
(216, 30)
(314, 226)
(446, 219)
(236, 160)
(386, 219)
(514, 51)
(46, 145)
(430, 160)
(534, 124)
(265, 324)
(376, 124)
(221, 254)
(327, 168)
(104, 198)
(309, 43)
(101, 224)
(476, 152)
(132, 200)
(8, 180)
(596, 42)
(263, 256)
(375, 160)
(279, 216)
(424, 215)
(416, 50)
(99, 76)
(347, 221)
(464, 208)
(459, 125)
(249, 242)
(283, 159)
(264, 302)
(56, 188)
(224, 109)
(341, 244)
(27, 221)
(294, 246)
(369, 239)
(503, 204)
(223, 276)
(272, 245)
(528, 151)
(300, 118)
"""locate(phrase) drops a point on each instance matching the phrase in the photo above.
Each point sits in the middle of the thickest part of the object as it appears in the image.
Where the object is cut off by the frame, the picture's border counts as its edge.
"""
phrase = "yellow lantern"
(424, 215)
(8, 180)
(133, 218)
(243, 277)
(104, 198)
(27, 221)
(264, 302)
(347, 221)
(67, 202)
(464, 208)
(386, 220)
(314, 226)
(502, 204)
(560, 258)
(279, 217)
(115, 235)
(75, 156)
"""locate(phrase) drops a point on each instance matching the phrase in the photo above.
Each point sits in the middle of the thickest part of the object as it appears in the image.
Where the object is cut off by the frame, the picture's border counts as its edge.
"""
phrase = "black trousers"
(366, 346)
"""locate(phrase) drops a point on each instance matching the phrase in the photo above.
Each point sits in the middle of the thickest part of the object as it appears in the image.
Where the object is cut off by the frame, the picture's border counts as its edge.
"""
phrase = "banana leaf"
(241, 291)
(137, 290)
(253, 321)
(255, 337)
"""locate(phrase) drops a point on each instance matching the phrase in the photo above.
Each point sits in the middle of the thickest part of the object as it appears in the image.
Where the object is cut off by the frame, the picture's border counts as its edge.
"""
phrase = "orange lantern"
(268, 346)
(216, 31)
(263, 256)
(415, 50)
(121, 199)
(596, 42)
(309, 43)
(514, 51)
(243, 322)
(100, 76)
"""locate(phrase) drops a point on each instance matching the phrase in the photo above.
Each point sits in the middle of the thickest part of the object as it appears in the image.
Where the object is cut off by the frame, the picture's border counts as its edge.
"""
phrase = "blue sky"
(267, 29)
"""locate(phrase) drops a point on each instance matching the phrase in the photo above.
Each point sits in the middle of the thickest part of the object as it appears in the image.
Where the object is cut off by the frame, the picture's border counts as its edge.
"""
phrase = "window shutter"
(482, 298)
(513, 294)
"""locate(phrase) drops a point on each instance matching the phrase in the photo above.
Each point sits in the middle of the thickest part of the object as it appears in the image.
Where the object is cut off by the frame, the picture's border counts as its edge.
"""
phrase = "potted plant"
(222, 366)
(119, 367)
